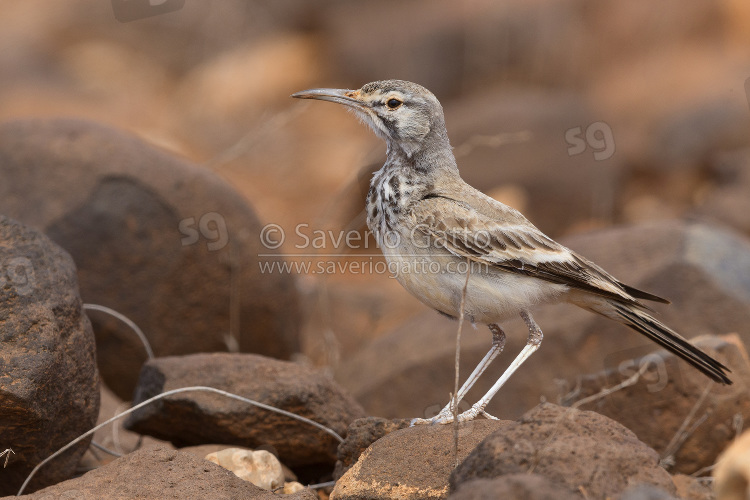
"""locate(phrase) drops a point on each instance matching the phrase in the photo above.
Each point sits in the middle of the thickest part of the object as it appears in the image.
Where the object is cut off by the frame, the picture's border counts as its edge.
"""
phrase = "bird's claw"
(446, 417)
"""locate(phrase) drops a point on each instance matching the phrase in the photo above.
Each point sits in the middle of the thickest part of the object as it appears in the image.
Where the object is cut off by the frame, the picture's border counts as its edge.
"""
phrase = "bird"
(425, 216)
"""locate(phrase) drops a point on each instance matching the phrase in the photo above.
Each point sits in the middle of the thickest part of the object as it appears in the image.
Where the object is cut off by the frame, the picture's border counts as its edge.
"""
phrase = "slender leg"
(446, 414)
(532, 344)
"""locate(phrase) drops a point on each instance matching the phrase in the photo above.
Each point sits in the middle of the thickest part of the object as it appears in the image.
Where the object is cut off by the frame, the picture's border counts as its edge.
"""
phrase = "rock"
(688, 137)
(259, 467)
(167, 243)
(159, 474)
(694, 488)
(114, 436)
(507, 138)
(292, 487)
(202, 450)
(411, 463)
(513, 486)
(703, 270)
(198, 418)
(582, 450)
(676, 410)
(728, 202)
(646, 492)
(732, 473)
(49, 384)
(359, 436)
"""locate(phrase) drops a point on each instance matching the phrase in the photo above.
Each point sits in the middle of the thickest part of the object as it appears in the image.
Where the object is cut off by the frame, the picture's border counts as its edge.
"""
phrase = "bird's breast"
(391, 194)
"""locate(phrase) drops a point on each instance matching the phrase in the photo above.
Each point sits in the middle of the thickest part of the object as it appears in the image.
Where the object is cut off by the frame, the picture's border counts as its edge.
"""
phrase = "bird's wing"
(508, 242)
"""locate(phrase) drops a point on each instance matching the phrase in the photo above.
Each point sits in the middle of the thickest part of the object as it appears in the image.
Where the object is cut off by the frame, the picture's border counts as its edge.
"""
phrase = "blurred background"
(582, 114)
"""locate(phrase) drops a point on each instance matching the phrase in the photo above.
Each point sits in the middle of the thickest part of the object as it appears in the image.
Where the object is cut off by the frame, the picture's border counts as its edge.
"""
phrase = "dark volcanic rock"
(582, 450)
(159, 474)
(667, 393)
(512, 487)
(200, 418)
(360, 435)
(694, 488)
(412, 463)
(163, 241)
(49, 385)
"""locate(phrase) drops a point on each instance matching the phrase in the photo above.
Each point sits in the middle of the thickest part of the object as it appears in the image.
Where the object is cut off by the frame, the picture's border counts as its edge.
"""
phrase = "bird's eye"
(393, 103)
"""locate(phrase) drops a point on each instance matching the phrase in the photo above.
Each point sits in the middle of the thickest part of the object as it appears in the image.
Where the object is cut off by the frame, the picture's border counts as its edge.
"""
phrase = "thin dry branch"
(454, 399)
(127, 321)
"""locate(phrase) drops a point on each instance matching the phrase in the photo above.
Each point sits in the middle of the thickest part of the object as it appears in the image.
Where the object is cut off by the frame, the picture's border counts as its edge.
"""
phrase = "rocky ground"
(152, 162)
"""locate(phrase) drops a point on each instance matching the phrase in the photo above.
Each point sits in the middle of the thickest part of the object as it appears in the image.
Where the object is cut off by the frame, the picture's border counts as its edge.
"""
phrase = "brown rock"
(689, 136)
(159, 475)
(165, 242)
(513, 486)
(511, 136)
(693, 488)
(359, 436)
(677, 411)
(198, 418)
(728, 202)
(582, 450)
(701, 269)
(412, 463)
(114, 436)
(49, 385)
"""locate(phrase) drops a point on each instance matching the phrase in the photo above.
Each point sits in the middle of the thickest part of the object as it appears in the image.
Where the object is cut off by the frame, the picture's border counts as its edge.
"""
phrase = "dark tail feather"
(670, 340)
(640, 294)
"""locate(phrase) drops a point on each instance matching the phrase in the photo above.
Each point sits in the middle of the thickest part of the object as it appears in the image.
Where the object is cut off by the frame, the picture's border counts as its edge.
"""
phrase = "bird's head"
(408, 116)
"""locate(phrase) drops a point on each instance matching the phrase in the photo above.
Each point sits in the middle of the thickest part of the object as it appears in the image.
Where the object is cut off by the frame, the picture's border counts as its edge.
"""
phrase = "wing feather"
(515, 248)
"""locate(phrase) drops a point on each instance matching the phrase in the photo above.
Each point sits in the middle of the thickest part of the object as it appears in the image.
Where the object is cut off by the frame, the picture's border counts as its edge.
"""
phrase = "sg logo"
(17, 272)
(598, 135)
(211, 225)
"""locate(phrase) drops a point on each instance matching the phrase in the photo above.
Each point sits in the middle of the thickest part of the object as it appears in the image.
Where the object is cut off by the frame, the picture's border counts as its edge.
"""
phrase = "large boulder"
(581, 450)
(697, 418)
(412, 463)
(163, 241)
(49, 384)
(193, 418)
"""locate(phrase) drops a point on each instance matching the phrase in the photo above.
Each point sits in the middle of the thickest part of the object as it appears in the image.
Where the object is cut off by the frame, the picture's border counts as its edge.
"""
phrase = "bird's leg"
(446, 414)
(532, 344)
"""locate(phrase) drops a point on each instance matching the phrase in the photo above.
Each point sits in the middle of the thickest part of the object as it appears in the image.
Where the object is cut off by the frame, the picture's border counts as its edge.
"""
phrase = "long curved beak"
(342, 96)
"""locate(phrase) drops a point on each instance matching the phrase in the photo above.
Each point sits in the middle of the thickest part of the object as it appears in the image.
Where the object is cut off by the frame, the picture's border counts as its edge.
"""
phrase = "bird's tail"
(660, 333)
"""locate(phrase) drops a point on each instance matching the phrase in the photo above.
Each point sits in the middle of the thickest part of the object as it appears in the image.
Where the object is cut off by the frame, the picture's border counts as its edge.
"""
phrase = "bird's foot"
(446, 417)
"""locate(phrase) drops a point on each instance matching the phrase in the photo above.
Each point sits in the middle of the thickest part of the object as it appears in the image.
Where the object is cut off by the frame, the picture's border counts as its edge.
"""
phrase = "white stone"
(259, 467)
